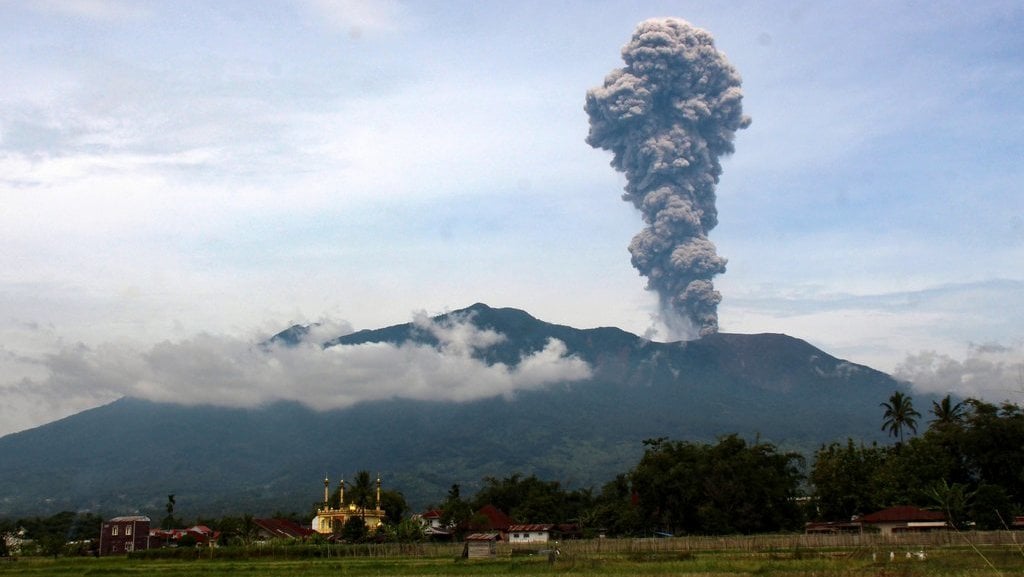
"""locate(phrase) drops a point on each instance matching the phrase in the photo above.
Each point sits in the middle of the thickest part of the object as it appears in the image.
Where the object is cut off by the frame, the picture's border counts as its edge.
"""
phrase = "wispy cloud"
(100, 10)
(359, 17)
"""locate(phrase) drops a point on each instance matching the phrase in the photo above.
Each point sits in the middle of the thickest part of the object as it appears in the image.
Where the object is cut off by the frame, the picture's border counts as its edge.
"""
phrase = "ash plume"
(667, 116)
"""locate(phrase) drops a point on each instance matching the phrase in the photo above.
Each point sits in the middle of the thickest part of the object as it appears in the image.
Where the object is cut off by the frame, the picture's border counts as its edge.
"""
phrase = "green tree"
(532, 500)
(394, 505)
(170, 522)
(899, 415)
(247, 530)
(843, 480)
(362, 492)
(991, 508)
(354, 530)
(406, 531)
(947, 413)
(730, 487)
(993, 446)
(51, 534)
(455, 512)
(615, 509)
(951, 499)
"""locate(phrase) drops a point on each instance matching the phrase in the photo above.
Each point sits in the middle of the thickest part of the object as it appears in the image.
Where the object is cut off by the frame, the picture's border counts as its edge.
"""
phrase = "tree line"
(968, 463)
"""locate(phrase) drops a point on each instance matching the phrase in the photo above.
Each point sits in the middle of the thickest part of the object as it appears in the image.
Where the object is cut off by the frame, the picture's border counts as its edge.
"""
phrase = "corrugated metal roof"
(531, 527)
(902, 514)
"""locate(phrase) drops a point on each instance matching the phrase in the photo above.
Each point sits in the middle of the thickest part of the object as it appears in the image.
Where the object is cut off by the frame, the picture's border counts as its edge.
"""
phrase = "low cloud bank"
(991, 371)
(237, 372)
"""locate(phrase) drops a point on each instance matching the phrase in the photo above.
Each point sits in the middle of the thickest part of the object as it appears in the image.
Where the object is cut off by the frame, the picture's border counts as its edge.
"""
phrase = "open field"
(725, 557)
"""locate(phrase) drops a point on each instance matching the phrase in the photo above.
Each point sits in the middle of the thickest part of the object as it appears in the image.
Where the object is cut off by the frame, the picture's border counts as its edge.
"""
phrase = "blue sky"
(171, 170)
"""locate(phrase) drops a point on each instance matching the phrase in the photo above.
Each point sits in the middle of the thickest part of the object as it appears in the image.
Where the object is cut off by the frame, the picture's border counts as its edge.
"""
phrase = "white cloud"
(237, 372)
(990, 371)
(879, 329)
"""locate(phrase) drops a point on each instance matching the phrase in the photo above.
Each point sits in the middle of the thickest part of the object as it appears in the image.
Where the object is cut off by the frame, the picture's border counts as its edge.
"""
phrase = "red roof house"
(904, 518)
(490, 518)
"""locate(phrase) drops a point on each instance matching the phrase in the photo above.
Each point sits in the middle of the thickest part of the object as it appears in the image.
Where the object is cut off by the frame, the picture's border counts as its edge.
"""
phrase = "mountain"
(127, 456)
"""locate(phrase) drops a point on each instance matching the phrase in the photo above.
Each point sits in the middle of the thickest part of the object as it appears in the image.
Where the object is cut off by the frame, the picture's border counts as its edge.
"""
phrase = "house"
(481, 545)
(281, 529)
(431, 519)
(904, 518)
(490, 519)
(535, 533)
(124, 535)
(433, 527)
(330, 520)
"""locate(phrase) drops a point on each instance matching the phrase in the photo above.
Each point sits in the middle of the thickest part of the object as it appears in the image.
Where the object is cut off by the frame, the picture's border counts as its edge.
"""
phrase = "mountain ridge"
(126, 456)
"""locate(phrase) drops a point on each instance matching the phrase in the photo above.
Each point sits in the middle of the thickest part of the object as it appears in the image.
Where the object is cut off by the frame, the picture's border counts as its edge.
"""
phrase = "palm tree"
(362, 491)
(947, 412)
(899, 414)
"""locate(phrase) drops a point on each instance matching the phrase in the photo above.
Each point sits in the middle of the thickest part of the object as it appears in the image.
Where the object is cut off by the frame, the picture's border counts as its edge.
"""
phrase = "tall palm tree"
(947, 412)
(899, 414)
(362, 491)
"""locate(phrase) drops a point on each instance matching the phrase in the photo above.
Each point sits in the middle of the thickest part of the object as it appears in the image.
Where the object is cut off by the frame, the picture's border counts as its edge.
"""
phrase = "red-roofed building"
(281, 529)
(490, 518)
(904, 518)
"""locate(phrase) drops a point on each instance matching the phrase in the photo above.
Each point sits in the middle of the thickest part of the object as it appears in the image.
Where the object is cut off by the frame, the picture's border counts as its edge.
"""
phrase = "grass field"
(952, 560)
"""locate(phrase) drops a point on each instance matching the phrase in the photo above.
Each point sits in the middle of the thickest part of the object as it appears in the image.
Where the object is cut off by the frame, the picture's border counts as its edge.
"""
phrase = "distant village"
(961, 474)
(479, 534)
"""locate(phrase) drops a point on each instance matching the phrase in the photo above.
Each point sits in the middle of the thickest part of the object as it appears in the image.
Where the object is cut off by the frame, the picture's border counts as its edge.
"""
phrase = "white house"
(536, 533)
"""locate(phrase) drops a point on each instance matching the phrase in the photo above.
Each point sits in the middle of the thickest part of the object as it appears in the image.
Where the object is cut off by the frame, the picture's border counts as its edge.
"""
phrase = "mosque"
(329, 520)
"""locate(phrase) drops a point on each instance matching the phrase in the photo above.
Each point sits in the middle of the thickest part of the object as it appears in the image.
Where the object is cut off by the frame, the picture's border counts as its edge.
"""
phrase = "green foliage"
(844, 480)
(899, 415)
(947, 413)
(614, 511)
(991, 509)
(51, 534)
(354, 530)
(531, 500)
(968, 464)
(951, 499)
(361, 492)
(455, 512)
(729, 487)
(405, 531)
(394, 505)
(170, 521)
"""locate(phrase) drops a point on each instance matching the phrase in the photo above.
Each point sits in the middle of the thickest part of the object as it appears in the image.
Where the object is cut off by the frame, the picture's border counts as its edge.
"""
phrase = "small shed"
(481, 546)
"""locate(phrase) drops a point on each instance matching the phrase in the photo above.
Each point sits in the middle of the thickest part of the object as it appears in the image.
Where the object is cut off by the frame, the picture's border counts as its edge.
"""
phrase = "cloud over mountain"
(228, 371)
(991, 371)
